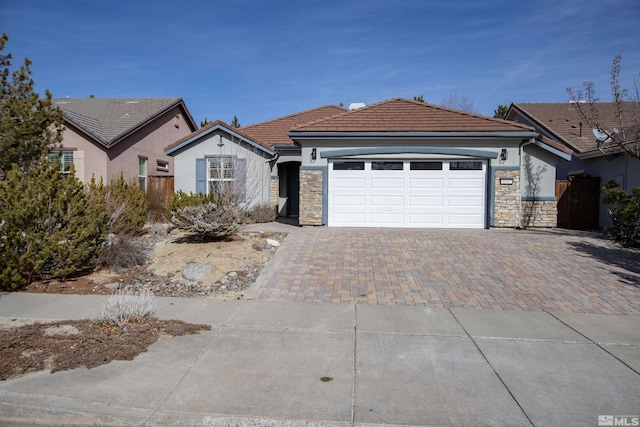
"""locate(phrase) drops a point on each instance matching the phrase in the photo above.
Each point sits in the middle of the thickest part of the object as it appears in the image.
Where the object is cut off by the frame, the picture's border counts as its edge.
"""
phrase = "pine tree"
(51, 228)
(501, 112)
(29, 125)
(125, 203)
(235, 123)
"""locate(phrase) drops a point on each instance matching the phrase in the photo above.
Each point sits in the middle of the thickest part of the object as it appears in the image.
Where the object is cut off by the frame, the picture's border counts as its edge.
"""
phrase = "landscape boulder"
(194, 271)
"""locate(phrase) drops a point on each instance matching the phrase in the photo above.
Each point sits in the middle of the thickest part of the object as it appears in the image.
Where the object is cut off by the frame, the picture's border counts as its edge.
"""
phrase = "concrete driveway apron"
(536, 270)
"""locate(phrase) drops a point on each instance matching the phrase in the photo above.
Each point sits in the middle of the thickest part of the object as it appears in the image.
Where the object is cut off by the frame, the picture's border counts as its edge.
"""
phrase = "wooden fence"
(161, 186)
(578, 203)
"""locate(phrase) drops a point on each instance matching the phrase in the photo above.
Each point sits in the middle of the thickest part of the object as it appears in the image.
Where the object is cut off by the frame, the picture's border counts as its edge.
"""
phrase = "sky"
(261, 59)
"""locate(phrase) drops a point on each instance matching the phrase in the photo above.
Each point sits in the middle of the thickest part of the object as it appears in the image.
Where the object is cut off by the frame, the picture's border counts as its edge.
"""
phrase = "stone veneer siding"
(506, 199)
(539, 213)
(310, 197)
(274, 192)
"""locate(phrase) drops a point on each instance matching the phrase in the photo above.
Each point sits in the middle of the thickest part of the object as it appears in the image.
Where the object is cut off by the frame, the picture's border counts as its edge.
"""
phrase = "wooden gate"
(578, 203)
(161, 186)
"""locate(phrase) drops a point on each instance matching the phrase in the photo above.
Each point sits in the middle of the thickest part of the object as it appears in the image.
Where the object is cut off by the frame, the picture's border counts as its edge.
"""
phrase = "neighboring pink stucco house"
(105, 137)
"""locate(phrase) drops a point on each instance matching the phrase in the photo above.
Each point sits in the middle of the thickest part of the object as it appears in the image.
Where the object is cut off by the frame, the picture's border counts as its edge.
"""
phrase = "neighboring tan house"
(562, 123)
(106, 137)
(397, 163)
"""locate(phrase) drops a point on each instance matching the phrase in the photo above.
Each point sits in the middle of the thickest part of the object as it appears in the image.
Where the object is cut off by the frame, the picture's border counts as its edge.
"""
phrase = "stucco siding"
(149, 143)
(89, 159)
(258, 183)
(538, 176)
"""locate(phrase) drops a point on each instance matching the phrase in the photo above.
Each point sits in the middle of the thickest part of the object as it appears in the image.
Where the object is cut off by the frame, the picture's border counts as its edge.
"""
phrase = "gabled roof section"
(110, 120)
(562, 121)
(212, 127)
(275, 132)
(399, 115)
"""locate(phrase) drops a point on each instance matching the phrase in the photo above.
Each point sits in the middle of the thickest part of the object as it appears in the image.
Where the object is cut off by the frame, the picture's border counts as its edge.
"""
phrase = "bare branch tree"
(458, 102)
(619, 126)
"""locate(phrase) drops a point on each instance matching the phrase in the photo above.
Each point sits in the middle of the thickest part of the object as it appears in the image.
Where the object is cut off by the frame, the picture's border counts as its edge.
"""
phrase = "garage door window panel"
(465, 166)
(348, 166)
(425, 166)
(387, 166)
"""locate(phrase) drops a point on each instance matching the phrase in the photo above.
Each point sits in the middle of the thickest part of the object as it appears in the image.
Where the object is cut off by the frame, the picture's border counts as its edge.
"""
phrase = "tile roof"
(218, 123)
(108, 120)
(404, 115)
(563, 121)
(274, 132)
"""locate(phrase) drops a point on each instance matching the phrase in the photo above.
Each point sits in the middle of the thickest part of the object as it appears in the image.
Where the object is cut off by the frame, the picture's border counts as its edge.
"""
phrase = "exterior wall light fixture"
(503, 154)
(313, 154)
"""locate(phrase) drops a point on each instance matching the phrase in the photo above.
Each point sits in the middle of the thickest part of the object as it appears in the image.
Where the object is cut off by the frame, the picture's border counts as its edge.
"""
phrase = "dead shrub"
(260, 214)
(123, 251)
(210, 221)
(125, 307)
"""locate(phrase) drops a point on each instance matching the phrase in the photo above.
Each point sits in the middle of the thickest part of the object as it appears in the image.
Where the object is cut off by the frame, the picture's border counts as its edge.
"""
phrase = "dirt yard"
(236, 265)
(28, 346)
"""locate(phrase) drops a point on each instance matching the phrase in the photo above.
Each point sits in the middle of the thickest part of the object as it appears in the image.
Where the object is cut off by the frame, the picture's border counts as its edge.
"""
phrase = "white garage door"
(407, 193)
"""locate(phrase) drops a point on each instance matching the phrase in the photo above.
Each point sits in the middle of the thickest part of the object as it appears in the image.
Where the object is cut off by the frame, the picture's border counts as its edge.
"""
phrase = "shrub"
(49, 226)
(210, 221)
(181, 200)
(626, 216)
(260, 214)
(122, 251)
(125, 307)
(125, 203)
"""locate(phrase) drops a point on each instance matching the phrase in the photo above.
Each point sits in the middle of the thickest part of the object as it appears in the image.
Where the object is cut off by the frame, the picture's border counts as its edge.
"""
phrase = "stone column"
(310, 197)
(274, 192)
(506, 206)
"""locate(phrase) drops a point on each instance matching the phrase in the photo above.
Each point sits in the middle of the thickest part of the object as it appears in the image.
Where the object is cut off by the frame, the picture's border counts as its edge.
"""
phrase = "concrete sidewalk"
(299, 364)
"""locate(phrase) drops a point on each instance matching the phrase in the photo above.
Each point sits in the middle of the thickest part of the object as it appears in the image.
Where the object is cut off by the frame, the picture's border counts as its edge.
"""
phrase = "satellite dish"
(601, 136)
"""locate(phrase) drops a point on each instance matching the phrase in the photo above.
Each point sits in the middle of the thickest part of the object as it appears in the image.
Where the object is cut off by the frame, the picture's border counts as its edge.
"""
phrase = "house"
(396, 163)
(106, 137)
(563, 124)
(265, 147)
(223, 158)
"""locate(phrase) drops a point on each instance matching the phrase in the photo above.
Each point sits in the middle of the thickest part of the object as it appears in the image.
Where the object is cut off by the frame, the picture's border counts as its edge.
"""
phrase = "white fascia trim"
(212, 129)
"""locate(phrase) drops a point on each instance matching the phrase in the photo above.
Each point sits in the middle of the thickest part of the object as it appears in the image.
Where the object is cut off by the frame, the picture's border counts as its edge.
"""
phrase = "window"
(162, 165)
(221, 174)
(348, 166)
(426, 166)
(468, 165)
(386, 166)
(64, 158)
(142, 173)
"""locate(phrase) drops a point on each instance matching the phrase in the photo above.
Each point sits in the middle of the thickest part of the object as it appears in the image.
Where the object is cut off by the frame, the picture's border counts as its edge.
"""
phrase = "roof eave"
(85, 131)
(194, 138)
(554, 151)
(412, 134)
(141, 125)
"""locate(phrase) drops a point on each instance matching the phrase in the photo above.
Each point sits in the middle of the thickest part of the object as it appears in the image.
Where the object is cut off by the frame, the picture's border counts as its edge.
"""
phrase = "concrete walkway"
(272, 363)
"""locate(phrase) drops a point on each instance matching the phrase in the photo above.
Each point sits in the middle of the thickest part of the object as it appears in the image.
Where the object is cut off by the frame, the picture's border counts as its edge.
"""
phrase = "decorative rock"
(233, 274)
(273, 243)
(112, 285)
(194, 271)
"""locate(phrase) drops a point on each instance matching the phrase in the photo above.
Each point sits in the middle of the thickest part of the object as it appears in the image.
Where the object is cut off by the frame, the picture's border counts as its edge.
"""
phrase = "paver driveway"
(545, 270)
